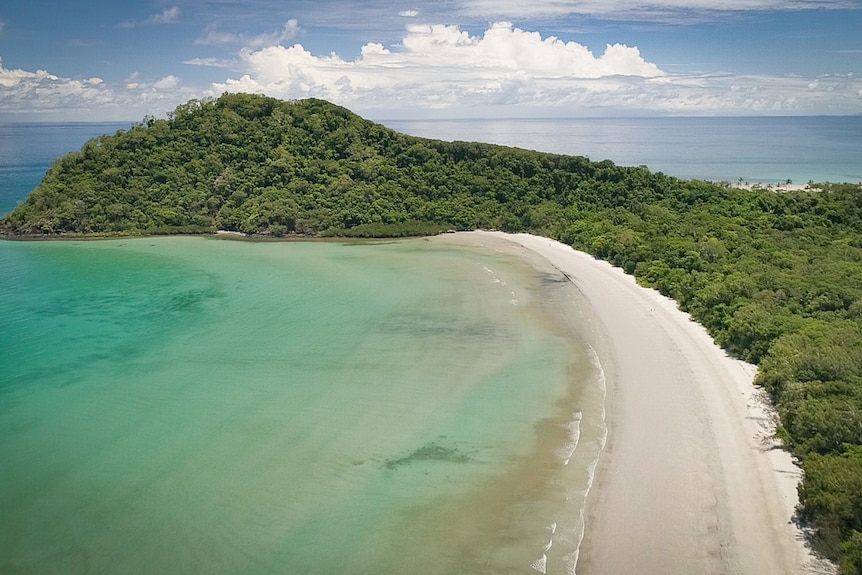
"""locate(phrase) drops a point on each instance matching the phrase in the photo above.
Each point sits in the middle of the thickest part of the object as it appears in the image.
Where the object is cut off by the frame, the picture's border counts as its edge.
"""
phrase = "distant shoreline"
(782, 187)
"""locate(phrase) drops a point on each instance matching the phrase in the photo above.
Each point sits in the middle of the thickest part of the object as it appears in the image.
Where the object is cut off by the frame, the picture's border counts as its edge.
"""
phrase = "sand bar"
(690, 481)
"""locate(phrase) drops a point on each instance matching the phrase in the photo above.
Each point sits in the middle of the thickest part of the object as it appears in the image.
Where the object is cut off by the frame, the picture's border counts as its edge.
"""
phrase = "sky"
(103, 60)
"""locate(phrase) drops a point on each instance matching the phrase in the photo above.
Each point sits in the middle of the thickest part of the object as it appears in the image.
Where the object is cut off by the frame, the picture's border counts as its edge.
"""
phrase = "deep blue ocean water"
(755, 150)
(27, 150)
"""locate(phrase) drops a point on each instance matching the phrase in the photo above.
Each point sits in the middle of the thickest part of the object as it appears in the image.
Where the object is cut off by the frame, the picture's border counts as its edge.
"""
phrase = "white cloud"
(409, 13)
(2, 25)
(167, 16)
(753, 94)
(22, 91)
(437, 66)
(13, 78)
(45, 96)
(440, 70)
(211, 62)
(132, 81)
(169, 82)
(214, 36)
(507, 70)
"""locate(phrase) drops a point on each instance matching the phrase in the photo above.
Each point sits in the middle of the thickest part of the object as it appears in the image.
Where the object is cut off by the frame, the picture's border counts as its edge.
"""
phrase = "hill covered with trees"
(775, 277)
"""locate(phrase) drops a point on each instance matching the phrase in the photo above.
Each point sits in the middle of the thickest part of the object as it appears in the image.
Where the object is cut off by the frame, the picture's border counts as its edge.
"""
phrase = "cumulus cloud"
(169, 82)
(404, 13)
(167, 16)
(443, 68)
(21, 90)
(214, 36)
(439, 66)
(42, 95)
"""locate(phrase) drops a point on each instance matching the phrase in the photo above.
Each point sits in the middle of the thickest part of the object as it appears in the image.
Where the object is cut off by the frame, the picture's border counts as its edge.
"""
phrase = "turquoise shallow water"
(212, 406)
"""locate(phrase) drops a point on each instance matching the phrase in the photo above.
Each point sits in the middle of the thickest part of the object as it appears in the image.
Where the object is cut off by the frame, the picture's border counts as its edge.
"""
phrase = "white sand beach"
(779, 187)
(690, 480)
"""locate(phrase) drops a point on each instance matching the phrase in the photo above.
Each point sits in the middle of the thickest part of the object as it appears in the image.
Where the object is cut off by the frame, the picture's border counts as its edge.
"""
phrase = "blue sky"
(108, 60)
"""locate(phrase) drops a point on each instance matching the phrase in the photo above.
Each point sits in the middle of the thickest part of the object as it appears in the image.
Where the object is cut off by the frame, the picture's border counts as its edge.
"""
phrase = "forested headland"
(776, 277)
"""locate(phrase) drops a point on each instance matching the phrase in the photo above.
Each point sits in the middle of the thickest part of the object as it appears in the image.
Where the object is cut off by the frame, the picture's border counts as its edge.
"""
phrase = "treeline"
(775, 277)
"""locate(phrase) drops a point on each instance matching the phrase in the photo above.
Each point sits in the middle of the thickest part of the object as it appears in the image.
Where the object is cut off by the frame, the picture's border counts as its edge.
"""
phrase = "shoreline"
(691, 479)
(783, 186)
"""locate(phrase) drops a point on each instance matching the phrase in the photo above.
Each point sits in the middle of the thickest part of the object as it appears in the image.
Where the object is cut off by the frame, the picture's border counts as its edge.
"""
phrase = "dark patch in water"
(418, 325)
(72, 381)
(430, 452)
(549, 279)
(189, 300)
(126, 305)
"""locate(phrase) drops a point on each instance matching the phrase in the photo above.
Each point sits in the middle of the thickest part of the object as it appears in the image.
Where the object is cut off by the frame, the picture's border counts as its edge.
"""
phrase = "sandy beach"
(779, 187)
(691, 480)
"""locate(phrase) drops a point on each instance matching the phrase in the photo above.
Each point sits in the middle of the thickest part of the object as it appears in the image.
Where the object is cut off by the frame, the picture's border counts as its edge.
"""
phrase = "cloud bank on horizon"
(400, 62)
(440, 66)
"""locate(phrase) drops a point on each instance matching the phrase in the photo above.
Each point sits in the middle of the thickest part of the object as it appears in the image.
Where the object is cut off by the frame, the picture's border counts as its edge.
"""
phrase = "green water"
(194, 405)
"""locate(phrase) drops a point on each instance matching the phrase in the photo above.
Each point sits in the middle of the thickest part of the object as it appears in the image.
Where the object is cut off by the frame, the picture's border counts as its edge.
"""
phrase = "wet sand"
(690, 480)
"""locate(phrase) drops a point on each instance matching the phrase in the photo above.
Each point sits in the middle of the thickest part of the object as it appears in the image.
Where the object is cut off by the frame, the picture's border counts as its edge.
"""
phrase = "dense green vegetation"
(775, 277)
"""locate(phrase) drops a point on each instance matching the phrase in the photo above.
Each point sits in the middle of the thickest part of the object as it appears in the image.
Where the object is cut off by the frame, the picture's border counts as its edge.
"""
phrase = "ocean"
(734, 149)
(211, 405)
(27, 150)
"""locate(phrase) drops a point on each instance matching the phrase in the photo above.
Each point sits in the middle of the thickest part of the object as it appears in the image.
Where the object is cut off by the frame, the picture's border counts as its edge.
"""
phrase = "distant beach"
(778, 187)
(691, 480)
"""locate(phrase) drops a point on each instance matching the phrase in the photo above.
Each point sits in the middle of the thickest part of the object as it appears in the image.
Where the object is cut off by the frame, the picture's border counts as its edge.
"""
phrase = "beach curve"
(691, 480)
